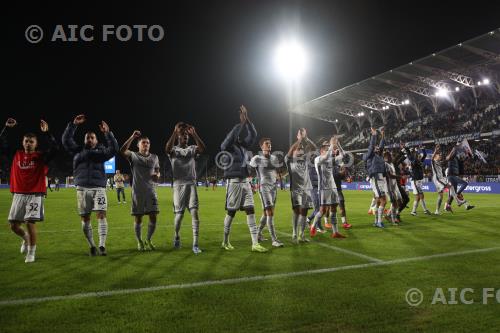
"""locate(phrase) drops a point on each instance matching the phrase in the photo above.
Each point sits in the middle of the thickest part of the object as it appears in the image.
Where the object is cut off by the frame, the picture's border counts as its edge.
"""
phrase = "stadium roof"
(466, 67)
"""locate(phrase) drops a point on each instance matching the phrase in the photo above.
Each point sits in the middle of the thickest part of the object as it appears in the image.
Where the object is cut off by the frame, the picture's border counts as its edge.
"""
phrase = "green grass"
(360, 299)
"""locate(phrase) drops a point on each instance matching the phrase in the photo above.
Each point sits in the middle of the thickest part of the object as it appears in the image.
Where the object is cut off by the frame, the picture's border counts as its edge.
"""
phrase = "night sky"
(215, 56)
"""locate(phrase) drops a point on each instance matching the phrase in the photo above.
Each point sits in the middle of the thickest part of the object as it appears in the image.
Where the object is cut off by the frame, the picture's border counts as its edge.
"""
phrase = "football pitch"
(356, 284)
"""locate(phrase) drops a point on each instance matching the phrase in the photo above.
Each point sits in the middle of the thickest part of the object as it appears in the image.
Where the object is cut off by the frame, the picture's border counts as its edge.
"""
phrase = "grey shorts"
(26, 207)
(440, 184)
(268, 196)
(379, 185)
(185, 196)
(416, 185)
(301, 198)
(239, 195)
(91, 200)
(328, 197)
(144, 202)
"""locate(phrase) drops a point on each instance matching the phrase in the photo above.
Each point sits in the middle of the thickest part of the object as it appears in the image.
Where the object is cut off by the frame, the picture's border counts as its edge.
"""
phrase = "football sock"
(177, 224)
(270, 226)
(138, 231)
(103, 231)
(87, 231)
(227, 228)
(253, 228)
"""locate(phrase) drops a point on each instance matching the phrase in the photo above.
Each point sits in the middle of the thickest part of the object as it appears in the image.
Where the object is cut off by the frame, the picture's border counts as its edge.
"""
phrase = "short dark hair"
(261, 141)
(90, 132)
(30, 135)
(142, 138)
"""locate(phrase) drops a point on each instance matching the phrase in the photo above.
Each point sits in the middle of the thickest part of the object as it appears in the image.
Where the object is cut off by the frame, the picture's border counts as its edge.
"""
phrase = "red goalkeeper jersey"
(27, 174)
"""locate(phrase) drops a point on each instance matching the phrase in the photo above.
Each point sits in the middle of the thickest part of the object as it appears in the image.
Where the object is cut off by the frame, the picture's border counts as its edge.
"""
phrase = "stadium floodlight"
(290, 59)
(479, 83)
(457, 88)
(336, 120)
(486, 81)
(406, 102)
(441, 92)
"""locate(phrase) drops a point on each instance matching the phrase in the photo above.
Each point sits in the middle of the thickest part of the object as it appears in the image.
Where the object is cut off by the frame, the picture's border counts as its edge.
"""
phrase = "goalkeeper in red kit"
(27, 185)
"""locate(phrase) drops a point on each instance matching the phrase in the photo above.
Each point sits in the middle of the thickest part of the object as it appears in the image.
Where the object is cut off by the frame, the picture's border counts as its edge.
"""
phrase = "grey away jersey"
(266, 168)
(324, 168)
(183, 164)
(437, 171)
(142, 168)
(299, 173)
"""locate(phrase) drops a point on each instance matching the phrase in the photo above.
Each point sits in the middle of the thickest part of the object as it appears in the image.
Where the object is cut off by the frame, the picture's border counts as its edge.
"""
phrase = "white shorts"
(26, 207)
(239, 195)
(394, 193)
(379, 185)
(440, 184)
(267, 196)
(185, 196)
(328, 197)
(301, 198)
(91, 200)
(144, 202)
(416, 186)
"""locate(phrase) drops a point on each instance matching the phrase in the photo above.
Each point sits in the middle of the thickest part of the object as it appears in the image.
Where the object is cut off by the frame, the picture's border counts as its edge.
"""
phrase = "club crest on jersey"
(24, 165)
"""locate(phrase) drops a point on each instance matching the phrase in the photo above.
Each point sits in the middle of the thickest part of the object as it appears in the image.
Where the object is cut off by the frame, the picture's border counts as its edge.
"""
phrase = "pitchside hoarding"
(483, 188)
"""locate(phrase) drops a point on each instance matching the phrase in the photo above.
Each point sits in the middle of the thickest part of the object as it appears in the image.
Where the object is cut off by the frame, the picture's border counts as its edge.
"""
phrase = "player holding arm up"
(392, 187)
(265, 165)
(145, 168)
(297, 162)
(239, 194)
(90, 178)
(456, 159)
(182, 158)
(417, 175)
(328, 195)
(438, 177)
(27, 184)
(376, 170)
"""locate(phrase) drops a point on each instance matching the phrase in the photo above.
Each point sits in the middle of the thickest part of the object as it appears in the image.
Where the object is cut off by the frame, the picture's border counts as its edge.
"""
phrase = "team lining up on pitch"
(318, 187)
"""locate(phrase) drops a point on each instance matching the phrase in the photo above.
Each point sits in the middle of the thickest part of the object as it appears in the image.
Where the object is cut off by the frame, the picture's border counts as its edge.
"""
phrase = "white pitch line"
(338, 249)
(25, 301)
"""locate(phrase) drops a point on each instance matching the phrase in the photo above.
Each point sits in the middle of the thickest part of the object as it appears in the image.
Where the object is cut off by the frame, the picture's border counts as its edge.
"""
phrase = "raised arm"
(452, 154)
(249, 140)
(53, 146)
(200, 145)
(231, 138)
(171, 141)
(301, 136)
(124, 150)
(112, 145)
(4, 148)
(329, 152)
(68, 139)
(424, 154)
(371, 146)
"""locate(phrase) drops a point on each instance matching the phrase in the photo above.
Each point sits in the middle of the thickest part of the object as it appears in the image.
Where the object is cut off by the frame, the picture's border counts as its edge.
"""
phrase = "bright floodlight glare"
(290, 59)
(486, 81)
(441, 92)
(457, 89)
(406, 101)
(479, 83)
